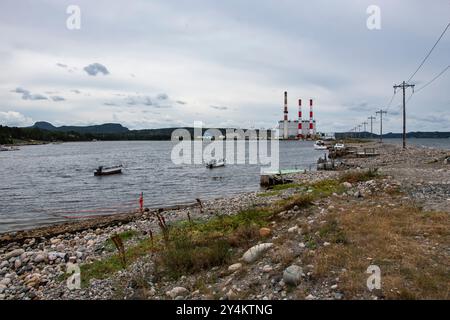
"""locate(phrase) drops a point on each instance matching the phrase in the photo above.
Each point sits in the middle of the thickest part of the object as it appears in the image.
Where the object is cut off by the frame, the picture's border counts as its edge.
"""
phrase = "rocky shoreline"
(33, 263)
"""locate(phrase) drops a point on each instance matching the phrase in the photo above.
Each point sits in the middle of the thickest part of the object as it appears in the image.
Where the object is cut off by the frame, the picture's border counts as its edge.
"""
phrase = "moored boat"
(101, 171)
(215, 163)
(320, 145)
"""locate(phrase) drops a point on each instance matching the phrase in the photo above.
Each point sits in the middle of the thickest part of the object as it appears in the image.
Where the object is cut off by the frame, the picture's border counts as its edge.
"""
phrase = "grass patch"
(101, 269)
(359, 176)
(410, 269)
(268, 194)
(190, 247)
(183, 255)
(280, 187)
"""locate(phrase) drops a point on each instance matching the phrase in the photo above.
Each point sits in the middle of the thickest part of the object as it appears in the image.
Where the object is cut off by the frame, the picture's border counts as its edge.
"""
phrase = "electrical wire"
(429, 53)
(429, 82)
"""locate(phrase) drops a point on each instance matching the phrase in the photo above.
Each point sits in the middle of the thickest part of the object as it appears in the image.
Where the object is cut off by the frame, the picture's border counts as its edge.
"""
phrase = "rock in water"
(177, 292)
(255, 252)
(293, 275)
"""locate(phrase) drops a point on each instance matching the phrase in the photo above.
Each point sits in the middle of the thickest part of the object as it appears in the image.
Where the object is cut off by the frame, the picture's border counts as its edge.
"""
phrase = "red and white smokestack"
(300, 129)
(285, 123)
(311, 116)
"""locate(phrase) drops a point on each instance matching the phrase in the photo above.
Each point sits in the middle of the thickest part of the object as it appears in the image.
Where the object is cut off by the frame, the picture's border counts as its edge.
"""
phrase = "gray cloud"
(148, 101)
(61, 65)
(219, 107)
(57, 98)
(76, 91)
(95, 68)
(163, 96)
(27, 95)
(111, 104)
(181, 102)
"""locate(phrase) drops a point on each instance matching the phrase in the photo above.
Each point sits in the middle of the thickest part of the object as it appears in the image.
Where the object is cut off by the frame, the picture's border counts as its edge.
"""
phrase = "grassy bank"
(191, 246)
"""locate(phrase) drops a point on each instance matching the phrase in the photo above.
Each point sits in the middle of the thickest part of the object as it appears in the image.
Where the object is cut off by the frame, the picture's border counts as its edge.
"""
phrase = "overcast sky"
(151, 64)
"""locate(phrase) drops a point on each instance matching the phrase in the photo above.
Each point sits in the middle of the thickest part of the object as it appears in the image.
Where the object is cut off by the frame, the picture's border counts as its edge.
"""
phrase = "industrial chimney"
(300, 128)
(311, 125)
(285, 129)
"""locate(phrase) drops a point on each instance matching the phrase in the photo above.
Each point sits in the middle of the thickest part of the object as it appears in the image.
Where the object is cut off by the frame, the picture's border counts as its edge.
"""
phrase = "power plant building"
(292, 129)
(297, 129)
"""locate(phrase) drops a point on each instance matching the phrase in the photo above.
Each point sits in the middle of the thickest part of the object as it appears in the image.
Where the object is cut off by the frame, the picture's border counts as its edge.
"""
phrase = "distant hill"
(107, 128)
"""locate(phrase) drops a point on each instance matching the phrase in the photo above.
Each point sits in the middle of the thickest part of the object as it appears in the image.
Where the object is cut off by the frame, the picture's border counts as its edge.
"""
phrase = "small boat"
(215, 163)
(339, 146)
(101, 171)
(320, 145)
(12, 148)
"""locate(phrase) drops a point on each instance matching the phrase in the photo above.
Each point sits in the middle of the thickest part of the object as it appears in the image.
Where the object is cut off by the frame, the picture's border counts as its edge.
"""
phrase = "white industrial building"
(293, 130)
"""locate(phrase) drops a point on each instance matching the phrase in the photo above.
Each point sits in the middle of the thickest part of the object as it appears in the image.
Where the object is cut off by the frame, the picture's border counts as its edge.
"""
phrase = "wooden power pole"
(371, 118)
(403, 86)
(381, 123)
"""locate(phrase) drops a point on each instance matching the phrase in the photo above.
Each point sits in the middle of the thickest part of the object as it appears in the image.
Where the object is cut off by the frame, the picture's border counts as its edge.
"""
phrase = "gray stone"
(235, 267)
(17, 263)
(177, 291)
(14, 253)
(255, 252)
(39, 258)
(4, 264)
(347, 185)
(293, 229)
(293, 275)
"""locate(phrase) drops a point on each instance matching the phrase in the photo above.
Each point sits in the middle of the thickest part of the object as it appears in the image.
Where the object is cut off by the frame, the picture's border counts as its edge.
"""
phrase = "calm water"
(40, 185)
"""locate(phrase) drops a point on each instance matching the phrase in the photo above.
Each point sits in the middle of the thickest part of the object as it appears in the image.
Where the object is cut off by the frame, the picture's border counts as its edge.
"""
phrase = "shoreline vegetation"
(43, 133)
(311, 239)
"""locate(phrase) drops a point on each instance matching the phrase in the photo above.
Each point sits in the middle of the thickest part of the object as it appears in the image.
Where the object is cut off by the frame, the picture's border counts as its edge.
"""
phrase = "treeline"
(10, 135)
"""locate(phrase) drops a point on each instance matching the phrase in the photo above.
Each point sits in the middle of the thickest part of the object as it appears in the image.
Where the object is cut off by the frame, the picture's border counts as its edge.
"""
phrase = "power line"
(428, 83)
(434, 79)
(429, 53)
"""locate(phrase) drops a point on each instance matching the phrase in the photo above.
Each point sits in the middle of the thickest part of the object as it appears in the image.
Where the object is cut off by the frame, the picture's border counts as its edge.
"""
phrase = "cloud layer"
(161, 63)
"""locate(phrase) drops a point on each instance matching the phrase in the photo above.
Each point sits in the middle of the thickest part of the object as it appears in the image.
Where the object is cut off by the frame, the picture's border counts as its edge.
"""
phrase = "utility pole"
(371, 118)
(365, 124)
(404, 85)
(381, 123)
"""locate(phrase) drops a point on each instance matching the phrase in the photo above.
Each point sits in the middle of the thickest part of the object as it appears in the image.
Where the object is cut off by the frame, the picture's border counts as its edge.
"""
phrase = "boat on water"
(214, 163)
(3, 148)
(101, 171)
(320, 145)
